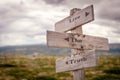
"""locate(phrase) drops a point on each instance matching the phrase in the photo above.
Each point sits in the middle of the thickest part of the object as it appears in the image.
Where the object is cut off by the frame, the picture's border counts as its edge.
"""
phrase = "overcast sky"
(26, 21)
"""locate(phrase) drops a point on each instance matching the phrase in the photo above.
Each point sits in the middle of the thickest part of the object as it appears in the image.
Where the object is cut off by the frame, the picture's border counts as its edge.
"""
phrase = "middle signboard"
(79, 41)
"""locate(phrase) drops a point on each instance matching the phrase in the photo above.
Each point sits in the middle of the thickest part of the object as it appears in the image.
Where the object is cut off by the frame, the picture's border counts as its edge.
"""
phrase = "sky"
(25, 22)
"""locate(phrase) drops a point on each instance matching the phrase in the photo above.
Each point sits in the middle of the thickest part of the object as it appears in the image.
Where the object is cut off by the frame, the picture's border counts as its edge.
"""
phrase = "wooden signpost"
(83, 46)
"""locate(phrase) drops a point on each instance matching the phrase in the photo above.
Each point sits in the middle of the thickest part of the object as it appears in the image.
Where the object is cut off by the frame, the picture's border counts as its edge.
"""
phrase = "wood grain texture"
(79, 74)
(76, 41)
(86, 60)
(79, 18)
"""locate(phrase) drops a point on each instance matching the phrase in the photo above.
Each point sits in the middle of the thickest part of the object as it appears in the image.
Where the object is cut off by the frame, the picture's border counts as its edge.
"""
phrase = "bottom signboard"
(86, 60)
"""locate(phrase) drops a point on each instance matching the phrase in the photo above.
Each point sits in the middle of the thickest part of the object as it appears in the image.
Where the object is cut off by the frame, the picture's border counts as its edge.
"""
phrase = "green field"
(23, 67)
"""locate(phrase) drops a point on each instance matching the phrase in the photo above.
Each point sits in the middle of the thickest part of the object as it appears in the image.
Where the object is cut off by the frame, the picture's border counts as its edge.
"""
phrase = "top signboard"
(79, 18)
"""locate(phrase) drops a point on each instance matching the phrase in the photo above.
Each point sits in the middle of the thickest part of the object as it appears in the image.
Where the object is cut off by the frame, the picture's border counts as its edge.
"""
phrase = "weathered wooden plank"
(71, 40)
(86, 60)
(79, 18)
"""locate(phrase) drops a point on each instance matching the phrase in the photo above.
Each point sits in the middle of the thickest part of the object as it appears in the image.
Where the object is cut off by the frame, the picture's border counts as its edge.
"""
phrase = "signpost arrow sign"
(88, 59)
(86, 14)
(79, 18)
(71, 40)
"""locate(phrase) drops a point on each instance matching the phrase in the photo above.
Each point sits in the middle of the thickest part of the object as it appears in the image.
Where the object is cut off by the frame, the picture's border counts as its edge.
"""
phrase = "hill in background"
(43, 49)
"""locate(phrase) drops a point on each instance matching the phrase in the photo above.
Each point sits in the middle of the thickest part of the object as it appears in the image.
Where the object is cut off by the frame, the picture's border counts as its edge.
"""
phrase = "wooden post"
(77, 74)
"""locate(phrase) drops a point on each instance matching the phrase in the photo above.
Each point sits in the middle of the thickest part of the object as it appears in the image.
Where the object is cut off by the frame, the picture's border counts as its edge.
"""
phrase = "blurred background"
(24, 54)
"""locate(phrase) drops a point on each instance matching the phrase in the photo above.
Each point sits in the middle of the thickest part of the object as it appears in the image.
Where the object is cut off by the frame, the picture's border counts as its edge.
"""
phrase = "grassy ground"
(20, 67)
